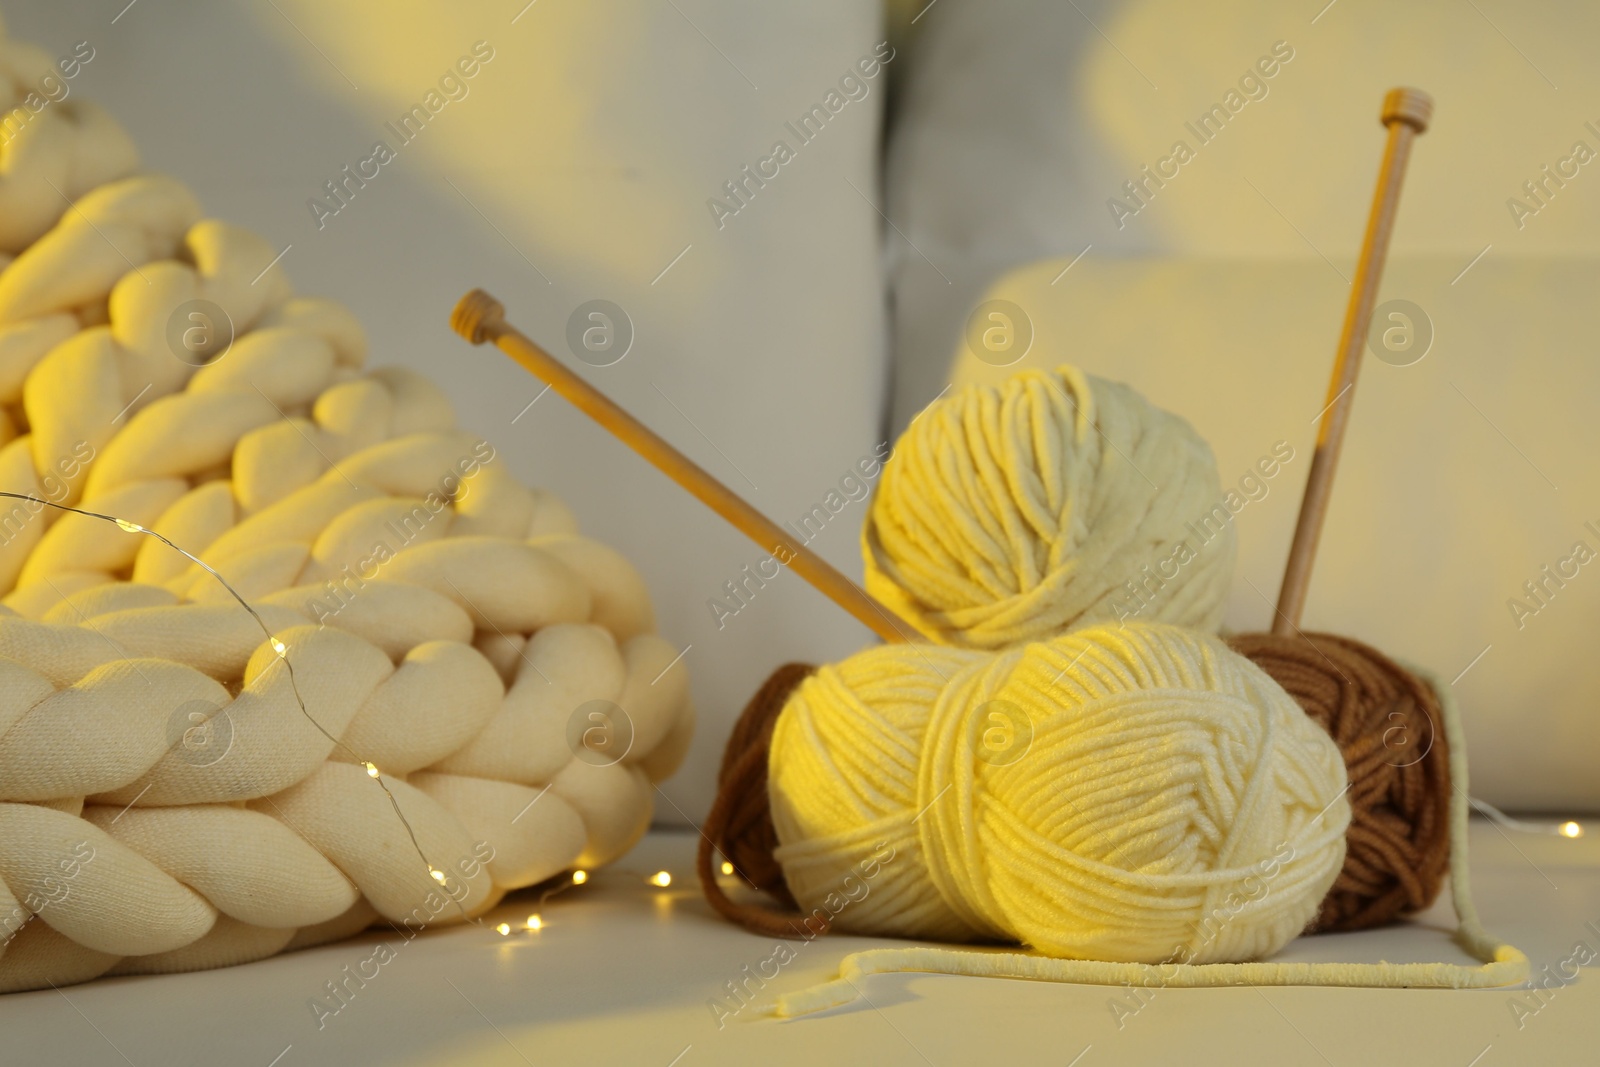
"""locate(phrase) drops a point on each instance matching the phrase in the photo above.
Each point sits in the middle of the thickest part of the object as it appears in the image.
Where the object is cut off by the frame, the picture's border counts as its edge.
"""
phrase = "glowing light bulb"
(504, 929)
(1571, 829)
(727, 868)
(372, 770)
(535, 923)
(579, 877)
(660, 878)
(130, 527)
(280, 648)
(438, 875)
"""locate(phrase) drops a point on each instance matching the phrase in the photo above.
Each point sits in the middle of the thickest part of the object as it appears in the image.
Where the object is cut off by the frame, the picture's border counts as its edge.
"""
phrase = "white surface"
(577, 167)
(622, 974)
(1222, 299)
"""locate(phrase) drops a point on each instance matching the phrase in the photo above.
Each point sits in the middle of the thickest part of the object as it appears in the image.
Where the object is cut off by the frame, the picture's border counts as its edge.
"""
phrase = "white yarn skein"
(454, 663)
(1165, 799)
(1013, 513)
(1500, 963)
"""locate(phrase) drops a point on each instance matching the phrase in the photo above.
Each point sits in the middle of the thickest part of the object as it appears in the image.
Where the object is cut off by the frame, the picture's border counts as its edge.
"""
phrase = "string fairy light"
(535, 923)
(1568, 829)
(282, 651)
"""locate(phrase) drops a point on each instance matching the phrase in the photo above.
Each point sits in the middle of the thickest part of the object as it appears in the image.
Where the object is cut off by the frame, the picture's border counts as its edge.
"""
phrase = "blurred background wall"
(1471, 462)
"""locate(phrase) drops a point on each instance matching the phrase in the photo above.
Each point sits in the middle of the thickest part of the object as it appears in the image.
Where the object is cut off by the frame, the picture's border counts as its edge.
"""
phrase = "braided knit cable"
(165, 804)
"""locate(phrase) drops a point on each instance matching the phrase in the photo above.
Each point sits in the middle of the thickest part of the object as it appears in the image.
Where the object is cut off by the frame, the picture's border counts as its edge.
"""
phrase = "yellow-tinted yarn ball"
(1136, 793)
(1056, 500)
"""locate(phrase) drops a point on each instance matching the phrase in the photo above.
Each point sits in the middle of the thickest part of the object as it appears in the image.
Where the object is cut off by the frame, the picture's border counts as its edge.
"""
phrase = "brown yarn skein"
(740, 821)
(1389, 727)
(1386, 722)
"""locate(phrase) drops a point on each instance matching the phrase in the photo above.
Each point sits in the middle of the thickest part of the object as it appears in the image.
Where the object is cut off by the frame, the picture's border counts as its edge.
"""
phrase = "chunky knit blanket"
(477, 701)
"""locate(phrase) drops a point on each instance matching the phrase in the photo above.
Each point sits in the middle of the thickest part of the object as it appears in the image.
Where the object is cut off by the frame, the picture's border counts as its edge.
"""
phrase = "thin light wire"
(280, 648)
(567, 881)
(1522, 826)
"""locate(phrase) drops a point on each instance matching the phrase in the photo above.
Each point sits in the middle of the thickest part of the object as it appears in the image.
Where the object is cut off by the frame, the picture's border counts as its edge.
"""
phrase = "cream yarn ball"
(1058, 499)
(1136, 793)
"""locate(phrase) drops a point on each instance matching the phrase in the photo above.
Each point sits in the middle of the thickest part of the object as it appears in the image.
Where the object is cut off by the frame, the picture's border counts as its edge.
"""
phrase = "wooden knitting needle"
(479, 317)
(1406, 113)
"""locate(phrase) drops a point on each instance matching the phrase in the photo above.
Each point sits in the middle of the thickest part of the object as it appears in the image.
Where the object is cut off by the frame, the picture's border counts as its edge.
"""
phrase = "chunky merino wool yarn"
(990, 526)
(1157, 797)
(166, 804)
(1056, 500)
